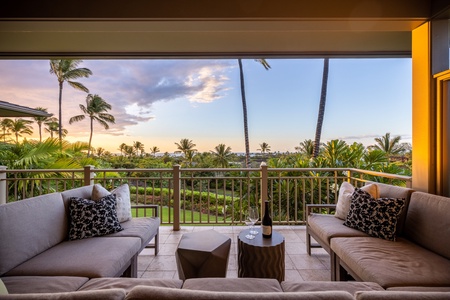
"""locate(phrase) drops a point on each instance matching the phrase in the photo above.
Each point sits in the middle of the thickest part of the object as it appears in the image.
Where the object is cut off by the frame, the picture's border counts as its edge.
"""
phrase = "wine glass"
(253, 215)
(248, 223)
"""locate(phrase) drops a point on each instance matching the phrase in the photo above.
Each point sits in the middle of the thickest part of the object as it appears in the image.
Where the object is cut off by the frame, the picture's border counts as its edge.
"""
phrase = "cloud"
(359, 137)
(372, 136)
(122, 83)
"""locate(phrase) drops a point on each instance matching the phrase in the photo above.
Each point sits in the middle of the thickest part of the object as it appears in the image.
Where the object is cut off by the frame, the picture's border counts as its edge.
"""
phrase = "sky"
(160, 102)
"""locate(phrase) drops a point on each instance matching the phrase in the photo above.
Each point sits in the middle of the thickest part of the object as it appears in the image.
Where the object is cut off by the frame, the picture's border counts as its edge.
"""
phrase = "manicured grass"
(186, 216)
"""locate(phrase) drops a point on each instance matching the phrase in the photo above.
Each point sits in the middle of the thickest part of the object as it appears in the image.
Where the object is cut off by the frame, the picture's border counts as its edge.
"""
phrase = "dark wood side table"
(202, 254)
(260, 257)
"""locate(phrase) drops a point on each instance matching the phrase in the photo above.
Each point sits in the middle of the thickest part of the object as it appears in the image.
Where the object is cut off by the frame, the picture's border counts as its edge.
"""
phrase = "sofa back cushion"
(29, 227)
(402, 295)
(428, 222)
(392, 191)
(160, 293)
(84, 192)
(112, 294)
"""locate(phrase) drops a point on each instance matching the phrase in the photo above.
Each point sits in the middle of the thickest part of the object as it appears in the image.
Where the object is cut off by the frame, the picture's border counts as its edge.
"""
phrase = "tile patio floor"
(299, 265)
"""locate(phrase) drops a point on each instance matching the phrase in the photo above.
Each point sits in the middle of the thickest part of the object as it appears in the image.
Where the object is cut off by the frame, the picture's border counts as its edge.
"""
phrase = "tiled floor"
(299, 265)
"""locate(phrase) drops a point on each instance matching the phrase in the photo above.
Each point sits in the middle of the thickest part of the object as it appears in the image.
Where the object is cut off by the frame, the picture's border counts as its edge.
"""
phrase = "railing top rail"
(168, 170)
(41, 170)
(386, 175)
(307, 169)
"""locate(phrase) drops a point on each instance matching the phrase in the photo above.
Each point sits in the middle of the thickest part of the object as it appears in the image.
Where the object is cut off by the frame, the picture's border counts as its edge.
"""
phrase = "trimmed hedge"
(191, 200)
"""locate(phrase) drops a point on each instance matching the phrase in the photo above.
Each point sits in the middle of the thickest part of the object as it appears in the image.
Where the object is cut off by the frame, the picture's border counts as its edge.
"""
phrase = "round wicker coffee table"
(260, 257)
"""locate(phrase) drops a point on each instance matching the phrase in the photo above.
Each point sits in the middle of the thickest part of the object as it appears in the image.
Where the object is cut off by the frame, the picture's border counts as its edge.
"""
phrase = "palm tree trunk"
(323, 100)
(90, 137)
(40, 132)
(60, 111)
(244, 110)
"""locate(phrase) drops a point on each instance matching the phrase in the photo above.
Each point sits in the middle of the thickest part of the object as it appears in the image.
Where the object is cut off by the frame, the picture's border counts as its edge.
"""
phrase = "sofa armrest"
(152, 207)
(310, 208)
(154, 213)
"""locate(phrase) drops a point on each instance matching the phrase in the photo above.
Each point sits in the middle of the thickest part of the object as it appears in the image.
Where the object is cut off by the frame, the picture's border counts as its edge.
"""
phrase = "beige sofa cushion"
(123, 201)
(402, 296)
(43, 284)
(46, 225)
(3, 289)
(143, 228)
(400, 263)
(345, 195)
(420, 288)
(146, 292)
(327, 227)
(261, 285)
(84, 192)
(93, 257)
(317, 286)
(428, 222)
(128, 283)
(113, 294)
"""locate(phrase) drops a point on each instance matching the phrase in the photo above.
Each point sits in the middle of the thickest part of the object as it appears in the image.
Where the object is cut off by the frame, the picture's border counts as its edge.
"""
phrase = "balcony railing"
(203, 196)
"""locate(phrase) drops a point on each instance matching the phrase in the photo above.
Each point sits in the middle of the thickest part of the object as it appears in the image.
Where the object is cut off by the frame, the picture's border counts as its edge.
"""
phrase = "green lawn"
(189, 217)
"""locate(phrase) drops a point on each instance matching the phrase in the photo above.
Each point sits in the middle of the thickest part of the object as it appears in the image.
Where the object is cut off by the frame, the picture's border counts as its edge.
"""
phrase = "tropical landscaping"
(220, 198)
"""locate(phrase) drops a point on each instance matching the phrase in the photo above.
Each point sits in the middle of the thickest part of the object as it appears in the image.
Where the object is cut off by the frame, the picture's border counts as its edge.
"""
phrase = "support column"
(440, 37)
(423, 112)
(264, 187)
(3, 187)
(88, 175)
(176, 198)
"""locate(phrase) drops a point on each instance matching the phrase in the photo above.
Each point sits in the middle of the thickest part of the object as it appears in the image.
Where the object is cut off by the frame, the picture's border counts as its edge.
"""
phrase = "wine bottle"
(266, 222)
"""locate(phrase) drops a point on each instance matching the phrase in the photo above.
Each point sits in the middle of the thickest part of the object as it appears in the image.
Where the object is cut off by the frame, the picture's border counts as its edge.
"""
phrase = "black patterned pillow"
(376, 217)
(90, 218)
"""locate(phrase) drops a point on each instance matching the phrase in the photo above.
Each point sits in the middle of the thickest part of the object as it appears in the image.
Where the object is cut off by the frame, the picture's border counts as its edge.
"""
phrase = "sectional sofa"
(213, 288)
(38, 261)
(419, 257)
(35, 239)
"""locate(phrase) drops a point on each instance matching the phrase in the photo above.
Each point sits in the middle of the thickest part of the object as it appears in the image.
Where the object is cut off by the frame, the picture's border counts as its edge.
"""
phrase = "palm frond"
(78, 86)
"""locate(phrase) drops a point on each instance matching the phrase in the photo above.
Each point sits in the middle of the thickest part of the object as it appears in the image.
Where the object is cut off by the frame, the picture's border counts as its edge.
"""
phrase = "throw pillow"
(98, 192)
(3, 290)
(123, 202)
(376, 217)
(90, 218)
(345, 194)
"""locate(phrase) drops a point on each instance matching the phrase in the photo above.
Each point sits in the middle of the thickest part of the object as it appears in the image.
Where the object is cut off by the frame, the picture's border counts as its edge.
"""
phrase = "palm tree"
(266, 65)
(306, 148)
(95, 109)
(100, 151)
(67, 70)
(41, 120)
(154, 150)
(323, 100)
(189, 156)
(264, 147)
(129, 150)
(52, 126)
(20, 127)
(334, 153)
(139, 147)
(390, 146)
(5, 124)
(185, 146)
(222, 155)
(122, 148)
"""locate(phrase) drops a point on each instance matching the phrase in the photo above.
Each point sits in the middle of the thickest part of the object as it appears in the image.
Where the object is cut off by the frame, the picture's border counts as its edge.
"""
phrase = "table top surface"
(207, 240)
(259, 241)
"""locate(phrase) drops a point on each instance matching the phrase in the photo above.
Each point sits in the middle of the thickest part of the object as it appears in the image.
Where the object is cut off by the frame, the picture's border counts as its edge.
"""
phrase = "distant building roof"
(13, 110)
